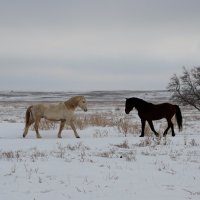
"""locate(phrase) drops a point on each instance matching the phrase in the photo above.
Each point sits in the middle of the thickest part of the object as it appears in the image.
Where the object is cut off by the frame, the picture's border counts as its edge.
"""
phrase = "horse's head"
(128, 106)
(82, 103)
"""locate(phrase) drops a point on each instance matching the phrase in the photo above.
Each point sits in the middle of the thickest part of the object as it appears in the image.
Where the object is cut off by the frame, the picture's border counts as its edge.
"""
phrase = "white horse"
(63, 112)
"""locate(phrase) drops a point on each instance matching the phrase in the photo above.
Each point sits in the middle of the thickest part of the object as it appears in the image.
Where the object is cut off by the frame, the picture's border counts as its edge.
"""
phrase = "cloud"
(103, 44)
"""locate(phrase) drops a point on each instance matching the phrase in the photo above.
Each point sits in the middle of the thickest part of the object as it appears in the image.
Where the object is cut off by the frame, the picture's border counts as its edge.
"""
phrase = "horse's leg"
(152, 128)
(27, 127)
(143, 126)
(62, 124)
(36, 126)
(74, 129)
(170, 125)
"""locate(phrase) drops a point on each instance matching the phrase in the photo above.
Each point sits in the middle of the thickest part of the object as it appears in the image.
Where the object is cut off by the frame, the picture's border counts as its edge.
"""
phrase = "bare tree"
(186, 88)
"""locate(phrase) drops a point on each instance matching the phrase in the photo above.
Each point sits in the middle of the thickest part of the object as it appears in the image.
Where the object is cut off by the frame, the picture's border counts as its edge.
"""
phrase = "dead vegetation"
(119, 122)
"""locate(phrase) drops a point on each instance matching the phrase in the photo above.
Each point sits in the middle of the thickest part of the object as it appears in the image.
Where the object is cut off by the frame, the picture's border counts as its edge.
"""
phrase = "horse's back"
(166, 106)
(50, 111)
(158, 111)
(53, 107)
(55, 111)
(38, 109)
(165, 110)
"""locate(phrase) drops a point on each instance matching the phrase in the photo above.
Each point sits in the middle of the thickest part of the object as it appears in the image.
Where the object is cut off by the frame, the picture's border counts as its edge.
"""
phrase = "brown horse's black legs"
(165, 133)
(152, 128)
(170, 125)
(143, 126)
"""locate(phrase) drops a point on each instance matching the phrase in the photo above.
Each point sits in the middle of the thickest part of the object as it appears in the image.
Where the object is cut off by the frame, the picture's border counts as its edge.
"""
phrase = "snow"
(102, 164)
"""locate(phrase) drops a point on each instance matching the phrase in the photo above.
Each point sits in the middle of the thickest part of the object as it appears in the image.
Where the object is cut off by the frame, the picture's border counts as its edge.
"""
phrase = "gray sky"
(62, 45)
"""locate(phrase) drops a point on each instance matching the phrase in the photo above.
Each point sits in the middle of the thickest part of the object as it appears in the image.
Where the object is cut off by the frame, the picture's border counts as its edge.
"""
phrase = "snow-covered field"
(103, 163)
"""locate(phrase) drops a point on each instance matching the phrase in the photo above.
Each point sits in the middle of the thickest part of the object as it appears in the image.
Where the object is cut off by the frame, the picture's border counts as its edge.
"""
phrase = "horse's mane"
(72, 103)
(138, 100)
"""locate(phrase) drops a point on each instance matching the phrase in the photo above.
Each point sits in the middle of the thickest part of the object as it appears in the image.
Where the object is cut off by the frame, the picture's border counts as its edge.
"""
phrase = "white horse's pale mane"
(72, 103)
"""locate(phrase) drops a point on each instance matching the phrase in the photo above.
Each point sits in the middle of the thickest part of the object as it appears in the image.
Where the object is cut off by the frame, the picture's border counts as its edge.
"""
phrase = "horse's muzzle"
(85, 109)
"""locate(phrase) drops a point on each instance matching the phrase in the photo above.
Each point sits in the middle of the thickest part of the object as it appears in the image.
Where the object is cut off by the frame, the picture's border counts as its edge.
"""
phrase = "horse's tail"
(179, 118)
(28, 115)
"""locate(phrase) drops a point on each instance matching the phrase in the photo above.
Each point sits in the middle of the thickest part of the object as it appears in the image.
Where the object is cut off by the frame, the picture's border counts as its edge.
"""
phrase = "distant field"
(109, 161)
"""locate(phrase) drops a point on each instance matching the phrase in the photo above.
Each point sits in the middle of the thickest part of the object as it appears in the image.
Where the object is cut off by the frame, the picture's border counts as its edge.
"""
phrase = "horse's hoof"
(24, 136)
(39, 137)
(141, 135)
(173, 135)
(59, 136)
(77, 136)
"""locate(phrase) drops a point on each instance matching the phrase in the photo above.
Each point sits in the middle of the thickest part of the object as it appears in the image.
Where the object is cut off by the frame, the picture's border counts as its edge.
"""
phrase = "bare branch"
(186, 88)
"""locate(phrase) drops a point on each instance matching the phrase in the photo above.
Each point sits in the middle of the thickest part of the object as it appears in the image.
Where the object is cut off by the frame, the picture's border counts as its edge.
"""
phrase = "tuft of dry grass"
(123, 145)
(124, 126)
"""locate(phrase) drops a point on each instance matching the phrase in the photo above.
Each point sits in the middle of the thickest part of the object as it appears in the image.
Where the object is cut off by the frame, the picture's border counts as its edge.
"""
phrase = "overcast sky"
(62, 45)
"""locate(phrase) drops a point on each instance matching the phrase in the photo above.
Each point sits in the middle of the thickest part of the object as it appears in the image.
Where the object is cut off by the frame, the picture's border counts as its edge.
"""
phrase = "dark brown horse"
(149, 112)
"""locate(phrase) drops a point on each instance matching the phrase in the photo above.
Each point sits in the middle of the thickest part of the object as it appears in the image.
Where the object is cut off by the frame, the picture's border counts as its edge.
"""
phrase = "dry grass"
(122, 124)
(96, 119)
(125, 126)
